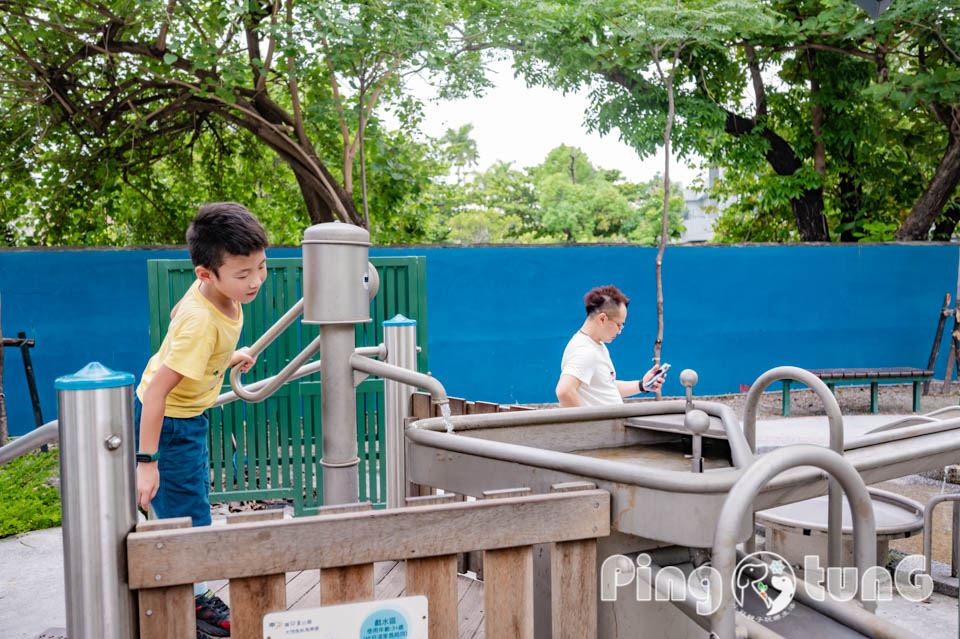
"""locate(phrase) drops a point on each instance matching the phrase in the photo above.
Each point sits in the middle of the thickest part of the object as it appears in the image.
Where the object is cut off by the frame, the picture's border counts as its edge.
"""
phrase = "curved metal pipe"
(927, 528)
(904, 422)
(303, 371)
(739, 450)
(271, 334)
(278, 380)
(835, 420)
(40, 436)
(430, 432)
(882, 435)
(943, 411)
(715, 481)
(848, 613)
(388, 371)
(740, 502)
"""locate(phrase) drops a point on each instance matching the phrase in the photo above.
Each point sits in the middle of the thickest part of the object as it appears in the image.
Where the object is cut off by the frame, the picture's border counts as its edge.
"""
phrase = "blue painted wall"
(498, 318)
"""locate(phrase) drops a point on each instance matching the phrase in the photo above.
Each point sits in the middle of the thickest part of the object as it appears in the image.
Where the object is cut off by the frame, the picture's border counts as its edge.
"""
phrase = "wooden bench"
(834, 376)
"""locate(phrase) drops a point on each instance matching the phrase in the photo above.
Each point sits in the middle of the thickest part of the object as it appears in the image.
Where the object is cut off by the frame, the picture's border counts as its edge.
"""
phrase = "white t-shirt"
(590, 362)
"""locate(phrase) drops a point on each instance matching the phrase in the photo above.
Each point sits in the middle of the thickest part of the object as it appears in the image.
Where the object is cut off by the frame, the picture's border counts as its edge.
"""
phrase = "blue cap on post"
(93, 375)
(399, 320)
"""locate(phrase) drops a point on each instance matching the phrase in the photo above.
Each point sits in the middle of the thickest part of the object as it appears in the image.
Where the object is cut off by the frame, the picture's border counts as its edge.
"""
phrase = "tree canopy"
(119, 117)
(565, 198)
(827, 124)
(95, 92)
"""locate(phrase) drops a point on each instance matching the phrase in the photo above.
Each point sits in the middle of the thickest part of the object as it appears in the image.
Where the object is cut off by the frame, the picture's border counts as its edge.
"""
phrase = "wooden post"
(475, 558)
(573, 581)
(948, 374)
(167, 613)
(936, 340)
(436, 578)
(349, 583)
(253, 597)
(508, 592)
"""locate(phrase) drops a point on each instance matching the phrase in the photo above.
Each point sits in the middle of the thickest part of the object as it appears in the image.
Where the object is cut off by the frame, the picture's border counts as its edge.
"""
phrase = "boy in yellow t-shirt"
(183, 379)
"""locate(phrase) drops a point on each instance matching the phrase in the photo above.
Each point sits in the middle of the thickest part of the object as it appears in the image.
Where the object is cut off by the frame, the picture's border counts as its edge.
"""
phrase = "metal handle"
(46, 434)
(834, 419)
(308, 369)
(265, 340)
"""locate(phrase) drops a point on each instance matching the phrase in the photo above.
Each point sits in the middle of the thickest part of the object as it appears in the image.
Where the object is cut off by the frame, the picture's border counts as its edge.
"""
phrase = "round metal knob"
(696, 421)
(688, 377)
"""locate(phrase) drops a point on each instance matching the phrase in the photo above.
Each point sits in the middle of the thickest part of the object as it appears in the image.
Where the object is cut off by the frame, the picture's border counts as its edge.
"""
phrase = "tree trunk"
(808, 208)
(944, 228)
(851, 197)
(816, 117)
(325, 199)
(941, 188)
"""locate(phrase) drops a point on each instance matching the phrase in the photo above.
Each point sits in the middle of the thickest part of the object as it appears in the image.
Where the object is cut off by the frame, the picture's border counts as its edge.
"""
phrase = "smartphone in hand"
(659, 375)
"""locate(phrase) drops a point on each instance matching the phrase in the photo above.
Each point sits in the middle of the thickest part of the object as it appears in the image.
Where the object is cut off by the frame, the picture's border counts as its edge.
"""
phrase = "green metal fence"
(271, 450)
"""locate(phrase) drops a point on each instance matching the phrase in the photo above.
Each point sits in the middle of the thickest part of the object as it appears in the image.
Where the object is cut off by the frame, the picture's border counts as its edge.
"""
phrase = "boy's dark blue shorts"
(184, 467)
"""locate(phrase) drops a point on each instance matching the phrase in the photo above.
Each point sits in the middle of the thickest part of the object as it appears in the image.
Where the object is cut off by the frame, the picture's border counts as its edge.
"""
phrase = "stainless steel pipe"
(338, 414)
(388, 371)
(308, 369)
(400, 338)
(740, 502)
(98, 489)
(928, 532)
(46, 434)
(835, 421)
(739, 449)
(258, 346)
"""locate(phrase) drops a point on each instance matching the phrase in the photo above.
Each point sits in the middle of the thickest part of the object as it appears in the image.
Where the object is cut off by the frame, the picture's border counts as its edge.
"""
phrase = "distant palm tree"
(460, 148)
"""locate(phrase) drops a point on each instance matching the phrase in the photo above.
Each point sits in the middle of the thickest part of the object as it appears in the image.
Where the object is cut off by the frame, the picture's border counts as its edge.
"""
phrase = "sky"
(519, 124)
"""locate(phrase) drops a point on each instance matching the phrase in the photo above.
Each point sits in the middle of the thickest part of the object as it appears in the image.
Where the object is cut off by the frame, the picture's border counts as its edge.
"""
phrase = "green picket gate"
(271, 449)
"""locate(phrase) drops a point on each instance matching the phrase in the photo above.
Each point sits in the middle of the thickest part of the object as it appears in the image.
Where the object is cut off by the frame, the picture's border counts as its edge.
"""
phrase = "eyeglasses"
(619, 324)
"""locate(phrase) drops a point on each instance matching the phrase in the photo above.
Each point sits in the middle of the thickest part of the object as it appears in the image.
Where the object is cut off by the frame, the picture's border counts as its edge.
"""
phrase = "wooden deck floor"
(303, 591)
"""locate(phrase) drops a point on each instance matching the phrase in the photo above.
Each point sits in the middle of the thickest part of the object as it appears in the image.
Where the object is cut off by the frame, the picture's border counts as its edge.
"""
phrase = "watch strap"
(148, 457)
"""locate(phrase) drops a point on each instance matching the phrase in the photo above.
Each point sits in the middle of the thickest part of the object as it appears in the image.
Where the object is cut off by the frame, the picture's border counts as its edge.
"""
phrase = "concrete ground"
(31, 565)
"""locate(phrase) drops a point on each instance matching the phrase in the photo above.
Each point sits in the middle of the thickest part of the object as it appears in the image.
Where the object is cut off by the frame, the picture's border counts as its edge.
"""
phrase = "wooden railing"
(166, 557)
(421, 407)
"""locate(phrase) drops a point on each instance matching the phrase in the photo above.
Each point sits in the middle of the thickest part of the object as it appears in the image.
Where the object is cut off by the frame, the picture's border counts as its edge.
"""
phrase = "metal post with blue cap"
(98, 488)
(400, 338)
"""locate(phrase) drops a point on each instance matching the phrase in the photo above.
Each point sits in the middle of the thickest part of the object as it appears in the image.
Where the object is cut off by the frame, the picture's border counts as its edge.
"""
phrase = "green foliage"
(407, 195)
(887, 91)
(27, 500)
(168, 106)
(563, 199)
(460, 149)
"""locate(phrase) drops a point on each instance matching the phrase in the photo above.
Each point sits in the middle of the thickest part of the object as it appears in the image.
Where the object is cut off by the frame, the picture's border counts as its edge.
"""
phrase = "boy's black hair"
(223, 228)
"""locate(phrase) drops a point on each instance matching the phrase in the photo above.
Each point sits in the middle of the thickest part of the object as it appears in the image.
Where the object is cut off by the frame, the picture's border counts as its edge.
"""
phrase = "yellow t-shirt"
(199, 344)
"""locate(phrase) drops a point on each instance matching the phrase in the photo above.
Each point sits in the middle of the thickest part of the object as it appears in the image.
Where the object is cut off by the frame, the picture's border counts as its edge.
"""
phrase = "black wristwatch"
(147, 457)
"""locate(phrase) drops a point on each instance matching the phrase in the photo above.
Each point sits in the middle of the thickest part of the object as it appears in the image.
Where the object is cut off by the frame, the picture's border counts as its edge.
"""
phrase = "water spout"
(445, 412)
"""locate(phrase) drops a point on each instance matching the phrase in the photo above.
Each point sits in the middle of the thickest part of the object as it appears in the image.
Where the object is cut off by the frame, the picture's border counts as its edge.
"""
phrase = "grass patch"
(27, 499)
